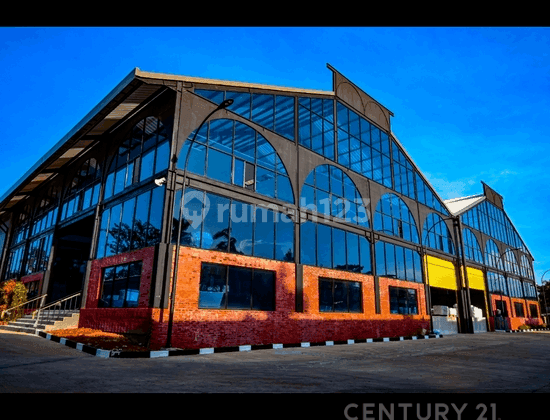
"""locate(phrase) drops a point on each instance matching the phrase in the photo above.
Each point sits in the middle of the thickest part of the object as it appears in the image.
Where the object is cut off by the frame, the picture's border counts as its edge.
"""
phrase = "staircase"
(49, 320)
(63, 313)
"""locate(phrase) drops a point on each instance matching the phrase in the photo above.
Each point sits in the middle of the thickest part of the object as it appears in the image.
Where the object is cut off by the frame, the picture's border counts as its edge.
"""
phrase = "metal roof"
(121, 101)
(129, 94)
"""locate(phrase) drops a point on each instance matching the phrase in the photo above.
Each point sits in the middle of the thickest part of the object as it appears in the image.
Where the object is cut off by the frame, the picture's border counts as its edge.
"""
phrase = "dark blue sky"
(470, 104)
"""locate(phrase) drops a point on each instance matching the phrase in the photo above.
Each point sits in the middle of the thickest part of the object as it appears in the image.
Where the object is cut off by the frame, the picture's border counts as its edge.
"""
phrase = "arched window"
(526, 269)
(511, 262)
(394, 217)
(327, 190)
(436, 235)
(144, 153)
(492, 255)
(472, 249)
(232, 152)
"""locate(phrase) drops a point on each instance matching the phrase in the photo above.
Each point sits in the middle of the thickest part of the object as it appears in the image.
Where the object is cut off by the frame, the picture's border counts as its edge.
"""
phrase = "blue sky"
(470, 104)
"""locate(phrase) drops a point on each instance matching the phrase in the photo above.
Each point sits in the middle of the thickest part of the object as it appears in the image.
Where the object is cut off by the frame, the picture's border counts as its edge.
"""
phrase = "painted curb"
(152, 354)
(529, 330)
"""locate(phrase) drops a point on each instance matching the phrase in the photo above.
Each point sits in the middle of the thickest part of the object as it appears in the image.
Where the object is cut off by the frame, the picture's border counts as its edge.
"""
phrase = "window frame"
(333, 282)
(226, 290)
(100, 301)
(408, 294)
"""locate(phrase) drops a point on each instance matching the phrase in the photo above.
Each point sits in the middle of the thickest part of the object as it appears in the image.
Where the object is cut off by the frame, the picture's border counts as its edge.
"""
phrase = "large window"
(492, 255)
(518, 309)
(232, 152)
(133, 224)
(497, 284)
(526, 268)
(325, 246)
(120, 286)
(472, 250)
(329, 191)
(533, 311)
(403, 301)
(339, 296)
(229, 287)
(529, 290)
(436, 235)
(83, 192)
(144, 153)
(363, 147)
(316, 125)
(515, 288)
(493, 221)
(510, 262)
(394, 261)
(211, 221)
(274, 112)
(392, 216)
(403, 173)
(38, 254)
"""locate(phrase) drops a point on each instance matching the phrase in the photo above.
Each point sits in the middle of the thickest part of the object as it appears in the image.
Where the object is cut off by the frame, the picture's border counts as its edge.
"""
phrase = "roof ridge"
(449, 200)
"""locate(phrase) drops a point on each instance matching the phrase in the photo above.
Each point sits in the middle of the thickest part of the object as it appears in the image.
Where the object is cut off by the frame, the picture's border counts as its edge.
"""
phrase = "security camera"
(160, 181)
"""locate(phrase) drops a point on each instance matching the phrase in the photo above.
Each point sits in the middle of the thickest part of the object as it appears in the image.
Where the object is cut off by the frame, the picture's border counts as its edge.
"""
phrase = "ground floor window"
(230, 287)
(120, 286)
(339, 296)
(534, 311)
(403, 301)
(518, 307)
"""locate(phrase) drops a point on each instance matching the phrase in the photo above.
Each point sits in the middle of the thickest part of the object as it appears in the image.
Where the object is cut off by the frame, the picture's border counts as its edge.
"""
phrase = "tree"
(12, 294)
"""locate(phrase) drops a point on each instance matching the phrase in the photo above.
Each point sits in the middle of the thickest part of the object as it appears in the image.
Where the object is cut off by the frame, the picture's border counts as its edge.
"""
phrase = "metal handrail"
(58, 302)
(40, 310)
(7, 311)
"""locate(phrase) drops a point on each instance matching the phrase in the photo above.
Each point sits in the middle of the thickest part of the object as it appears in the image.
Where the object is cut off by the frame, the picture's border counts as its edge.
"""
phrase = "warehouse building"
(210, 213)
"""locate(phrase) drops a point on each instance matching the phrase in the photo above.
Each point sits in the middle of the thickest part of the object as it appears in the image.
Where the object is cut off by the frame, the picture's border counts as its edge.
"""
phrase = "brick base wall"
(198, 328)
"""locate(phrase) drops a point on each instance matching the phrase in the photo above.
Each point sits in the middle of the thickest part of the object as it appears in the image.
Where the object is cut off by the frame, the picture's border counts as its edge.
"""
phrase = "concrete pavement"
(490, 362)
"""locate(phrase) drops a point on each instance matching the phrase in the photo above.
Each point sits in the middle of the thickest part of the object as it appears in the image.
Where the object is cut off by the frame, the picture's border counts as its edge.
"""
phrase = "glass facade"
(211, 221)
(392, 216)
(83, 192)
(233, 153)
(316, 125)
(144, 153)
(472, 250)
(330, 247)
(132, 224)
(274, 112)
(363, 147)
(329, 191)
(436, 234)
(394, 261)
(210, 216)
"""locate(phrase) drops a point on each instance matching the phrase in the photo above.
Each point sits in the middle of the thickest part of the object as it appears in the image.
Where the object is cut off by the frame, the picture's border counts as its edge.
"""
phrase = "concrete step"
(53, 320)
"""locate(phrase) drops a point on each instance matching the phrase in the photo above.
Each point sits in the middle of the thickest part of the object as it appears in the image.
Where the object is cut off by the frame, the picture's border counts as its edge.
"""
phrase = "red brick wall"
(514, 321)
(197, 328)
(119, 319)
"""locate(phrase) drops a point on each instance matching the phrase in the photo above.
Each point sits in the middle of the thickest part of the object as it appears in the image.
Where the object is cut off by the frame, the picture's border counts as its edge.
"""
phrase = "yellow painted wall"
(441, 273)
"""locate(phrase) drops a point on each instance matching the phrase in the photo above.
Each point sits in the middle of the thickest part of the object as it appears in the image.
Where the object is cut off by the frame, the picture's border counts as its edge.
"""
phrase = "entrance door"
(501, 316)
(71, 255)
